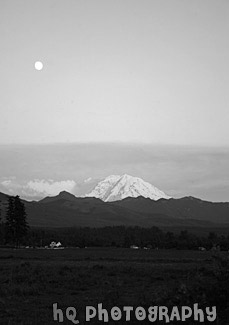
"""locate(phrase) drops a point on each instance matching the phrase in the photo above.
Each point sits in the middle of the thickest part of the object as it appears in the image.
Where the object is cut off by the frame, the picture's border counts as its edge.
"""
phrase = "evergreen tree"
(10, 226)
(16, 224)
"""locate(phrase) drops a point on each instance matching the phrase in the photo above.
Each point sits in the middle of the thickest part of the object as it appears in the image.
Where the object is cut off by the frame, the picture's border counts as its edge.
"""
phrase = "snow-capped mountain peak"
(116, 187)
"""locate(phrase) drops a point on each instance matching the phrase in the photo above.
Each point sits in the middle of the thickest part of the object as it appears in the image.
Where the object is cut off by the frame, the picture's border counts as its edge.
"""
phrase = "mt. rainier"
(116, 187)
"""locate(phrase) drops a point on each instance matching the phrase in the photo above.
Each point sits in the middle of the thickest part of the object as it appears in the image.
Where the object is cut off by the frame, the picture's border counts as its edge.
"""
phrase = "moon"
(38, 65)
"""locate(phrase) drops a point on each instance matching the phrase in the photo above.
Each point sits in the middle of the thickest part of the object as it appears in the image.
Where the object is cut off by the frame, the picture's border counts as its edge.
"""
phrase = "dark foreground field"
(32, 280)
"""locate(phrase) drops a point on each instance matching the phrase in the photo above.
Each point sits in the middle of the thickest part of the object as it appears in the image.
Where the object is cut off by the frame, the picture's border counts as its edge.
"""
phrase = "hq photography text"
(130, 313)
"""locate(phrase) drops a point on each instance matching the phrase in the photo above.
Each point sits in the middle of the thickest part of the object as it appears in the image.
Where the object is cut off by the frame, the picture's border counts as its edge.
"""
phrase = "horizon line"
(124, 143)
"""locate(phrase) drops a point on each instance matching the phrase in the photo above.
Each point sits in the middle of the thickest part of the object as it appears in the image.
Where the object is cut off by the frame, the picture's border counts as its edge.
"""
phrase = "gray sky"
(146, 81)
(151, 71)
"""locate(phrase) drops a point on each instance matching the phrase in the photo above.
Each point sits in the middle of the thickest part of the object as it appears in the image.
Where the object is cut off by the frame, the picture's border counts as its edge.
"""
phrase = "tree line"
(122, 236)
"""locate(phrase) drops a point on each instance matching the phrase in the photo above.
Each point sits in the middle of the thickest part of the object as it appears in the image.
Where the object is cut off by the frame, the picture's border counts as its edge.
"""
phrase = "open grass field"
(32, 280)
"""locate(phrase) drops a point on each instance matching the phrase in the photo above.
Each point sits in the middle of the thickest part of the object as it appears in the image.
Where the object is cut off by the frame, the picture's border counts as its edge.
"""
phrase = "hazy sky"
(35, 171)
(146, 80)
(152, 71)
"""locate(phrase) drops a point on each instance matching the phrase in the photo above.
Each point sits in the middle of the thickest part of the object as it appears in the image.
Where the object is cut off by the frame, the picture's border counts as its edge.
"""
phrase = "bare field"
(32, 280)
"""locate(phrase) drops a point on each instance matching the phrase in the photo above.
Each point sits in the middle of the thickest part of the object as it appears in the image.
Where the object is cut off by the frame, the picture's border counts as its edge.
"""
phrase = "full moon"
(38, 65)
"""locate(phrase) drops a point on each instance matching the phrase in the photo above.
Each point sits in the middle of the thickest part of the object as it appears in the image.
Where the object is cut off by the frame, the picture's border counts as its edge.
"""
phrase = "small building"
(202, 249)
(55, 245)
(134, 247)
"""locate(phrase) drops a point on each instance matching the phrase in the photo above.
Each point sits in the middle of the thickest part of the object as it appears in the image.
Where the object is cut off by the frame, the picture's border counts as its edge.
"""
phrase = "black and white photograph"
(114, 162)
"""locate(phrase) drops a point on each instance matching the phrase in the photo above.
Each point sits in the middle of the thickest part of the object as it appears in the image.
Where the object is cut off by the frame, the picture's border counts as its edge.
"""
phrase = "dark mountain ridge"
(183, 208)
(66, 210)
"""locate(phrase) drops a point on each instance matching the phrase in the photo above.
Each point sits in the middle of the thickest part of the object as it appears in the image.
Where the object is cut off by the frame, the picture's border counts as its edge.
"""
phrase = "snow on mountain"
(116, 187)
